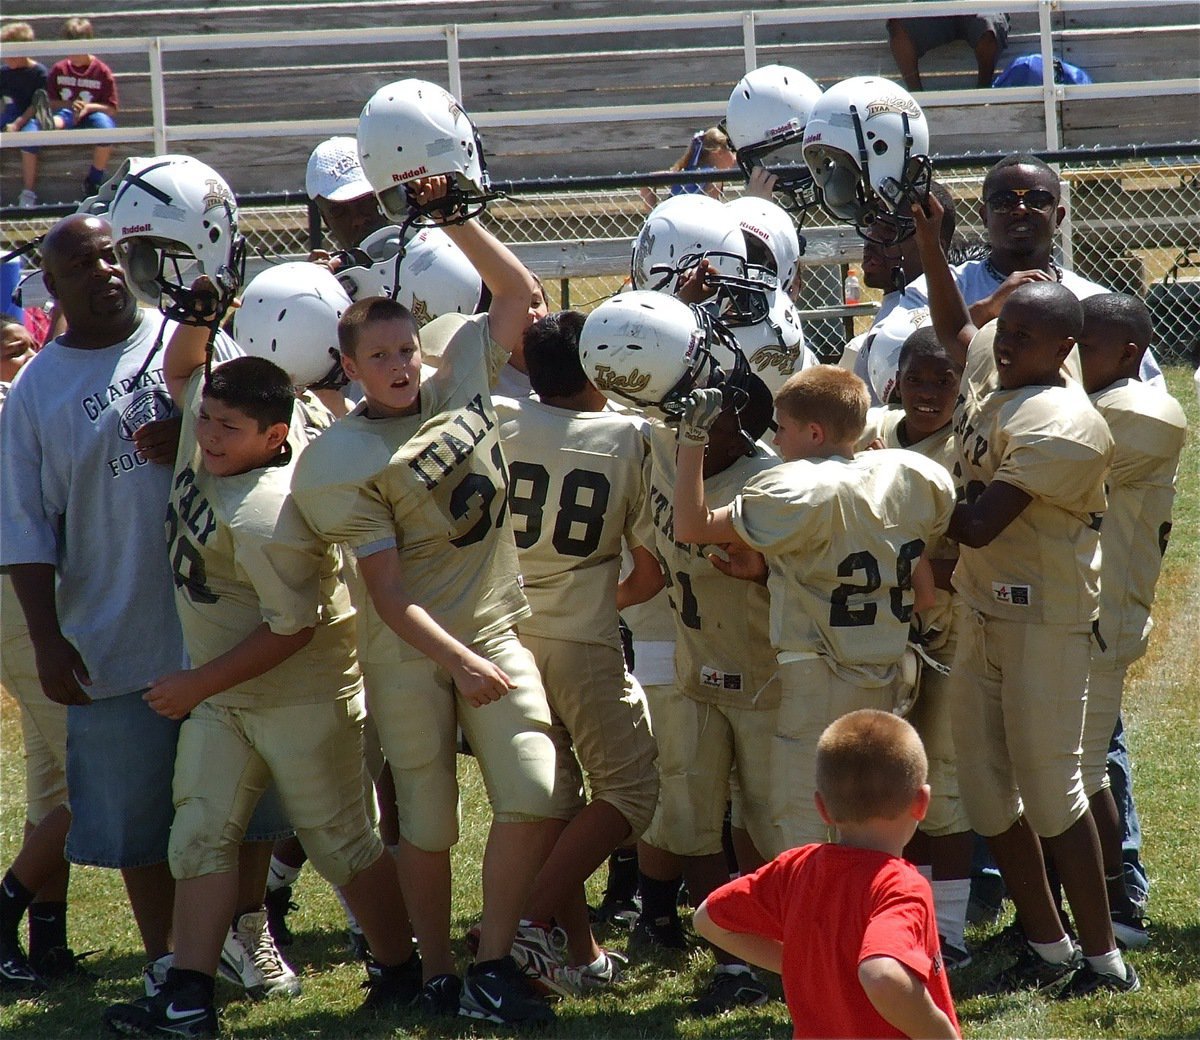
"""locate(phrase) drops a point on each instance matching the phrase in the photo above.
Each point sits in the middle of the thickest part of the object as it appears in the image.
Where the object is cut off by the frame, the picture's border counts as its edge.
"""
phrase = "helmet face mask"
(173, 219)
(412, 129)
(867, 145)
(650, 351)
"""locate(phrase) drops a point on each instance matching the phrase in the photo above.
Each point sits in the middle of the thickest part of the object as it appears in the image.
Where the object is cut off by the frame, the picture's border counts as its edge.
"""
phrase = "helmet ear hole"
(142, 261)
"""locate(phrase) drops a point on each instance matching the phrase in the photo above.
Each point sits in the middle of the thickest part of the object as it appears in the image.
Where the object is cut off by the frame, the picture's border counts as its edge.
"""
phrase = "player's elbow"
(884, 980)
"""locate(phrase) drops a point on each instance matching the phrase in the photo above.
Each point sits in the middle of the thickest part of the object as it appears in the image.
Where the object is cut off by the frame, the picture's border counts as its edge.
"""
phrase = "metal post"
(564, 292)
(455, 70)
(158, 97)
(1050, 93)
(749, 44)
(316, 235)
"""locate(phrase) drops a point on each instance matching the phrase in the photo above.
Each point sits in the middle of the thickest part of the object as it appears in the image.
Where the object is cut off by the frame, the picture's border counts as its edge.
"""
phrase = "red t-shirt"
(832, 907)
(93, 82)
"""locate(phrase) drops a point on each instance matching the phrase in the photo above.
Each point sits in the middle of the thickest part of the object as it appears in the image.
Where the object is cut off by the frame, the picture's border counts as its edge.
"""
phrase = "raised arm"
(510, 283)
(694, 521)
(186, 348)
(951, 318)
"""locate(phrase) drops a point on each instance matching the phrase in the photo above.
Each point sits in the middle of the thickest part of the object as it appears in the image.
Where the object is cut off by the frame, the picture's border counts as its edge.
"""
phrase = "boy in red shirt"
(850, 926)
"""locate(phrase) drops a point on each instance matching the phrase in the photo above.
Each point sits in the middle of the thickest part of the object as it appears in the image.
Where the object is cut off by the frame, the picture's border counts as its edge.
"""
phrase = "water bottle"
(852, 290)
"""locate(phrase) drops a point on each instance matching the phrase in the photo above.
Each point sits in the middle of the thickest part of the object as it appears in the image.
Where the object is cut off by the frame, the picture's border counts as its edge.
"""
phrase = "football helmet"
(765, 223)
(289, 315)
(411, 129)
(422, 268)
(883, 348)
(775, 348)
(174, 218)
(682, 231)
(867, 146)
(650, 351)
(98, 205)
(765, 120)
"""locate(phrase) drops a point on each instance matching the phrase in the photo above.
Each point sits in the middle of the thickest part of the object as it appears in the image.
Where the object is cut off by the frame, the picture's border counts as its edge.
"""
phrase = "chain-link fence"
(1133, 225)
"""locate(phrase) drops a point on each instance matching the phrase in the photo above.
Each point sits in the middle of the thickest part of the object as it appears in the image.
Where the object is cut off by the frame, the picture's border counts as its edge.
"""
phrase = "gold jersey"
(575, 491)
(242, 555)
(886, 425)
(1148, 428)
(723, 652)
(841, 537)
(1052, 444)
(433, 486)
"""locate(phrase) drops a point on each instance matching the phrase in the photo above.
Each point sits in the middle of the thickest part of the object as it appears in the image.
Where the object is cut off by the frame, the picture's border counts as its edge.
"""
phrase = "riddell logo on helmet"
(756, 231)
(135, 229)
(784, 128)
(812, 137)
(408, 175)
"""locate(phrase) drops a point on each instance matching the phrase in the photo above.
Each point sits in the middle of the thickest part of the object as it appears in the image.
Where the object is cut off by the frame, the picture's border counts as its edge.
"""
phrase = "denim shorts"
(120, 766)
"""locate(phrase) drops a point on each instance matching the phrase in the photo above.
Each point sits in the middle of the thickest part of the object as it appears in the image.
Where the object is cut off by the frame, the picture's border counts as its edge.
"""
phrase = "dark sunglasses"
(1033, 198)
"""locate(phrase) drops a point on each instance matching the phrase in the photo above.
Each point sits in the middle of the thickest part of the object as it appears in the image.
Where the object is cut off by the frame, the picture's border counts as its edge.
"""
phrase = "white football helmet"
(682, 231)
(867, 146)
(98, 205)
(765, 119)
(883, 348)
(289, 315)
(775, 348)
(650, 351)
(430, 275)
(770, 225)
(411, 129)
(174, 218)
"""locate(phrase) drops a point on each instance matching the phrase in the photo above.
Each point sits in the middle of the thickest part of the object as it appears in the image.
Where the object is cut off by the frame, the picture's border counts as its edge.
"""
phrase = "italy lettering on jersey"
(841, 537)
(723, 652)
(885, 424)
(575, 490)
(1052, 444)
(242, 555)
(432, 486)
(1148, 429)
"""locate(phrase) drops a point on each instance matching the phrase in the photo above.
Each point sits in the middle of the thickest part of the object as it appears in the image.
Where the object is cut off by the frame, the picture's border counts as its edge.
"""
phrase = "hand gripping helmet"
(174, 218)
(411, 129)
(289, 315)
(883, 348)
(429, 274)
(686, 229)
(765, 119)
(650, 351)
(867, 146)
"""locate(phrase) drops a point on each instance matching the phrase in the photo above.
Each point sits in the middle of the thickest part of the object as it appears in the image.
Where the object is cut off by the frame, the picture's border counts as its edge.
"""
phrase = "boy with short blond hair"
(849, 926)
(843, 537)
(274, 694)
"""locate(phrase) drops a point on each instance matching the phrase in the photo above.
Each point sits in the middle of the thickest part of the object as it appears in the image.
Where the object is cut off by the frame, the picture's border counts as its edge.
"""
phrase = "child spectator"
(274, 692)
(81, 94)
(1034, 455)
(928, 385)
(709, 149)
(844, 537)
(20, 79)
(850, 926)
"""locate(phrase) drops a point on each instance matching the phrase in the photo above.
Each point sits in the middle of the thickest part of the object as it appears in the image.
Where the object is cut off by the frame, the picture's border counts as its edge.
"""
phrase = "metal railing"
(164, 135)
(1134, 226)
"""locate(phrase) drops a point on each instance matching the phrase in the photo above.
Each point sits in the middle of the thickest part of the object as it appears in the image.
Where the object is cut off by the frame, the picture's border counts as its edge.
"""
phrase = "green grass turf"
(1163, 718)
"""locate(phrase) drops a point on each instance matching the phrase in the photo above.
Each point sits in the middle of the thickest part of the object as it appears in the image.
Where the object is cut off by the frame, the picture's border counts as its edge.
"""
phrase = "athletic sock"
(622, 874)
(1111, 963)
(14, 901)
(47, 928)
(659, 897)
(193, 988)
(1056, 952)
(950, 899)
(281, 874)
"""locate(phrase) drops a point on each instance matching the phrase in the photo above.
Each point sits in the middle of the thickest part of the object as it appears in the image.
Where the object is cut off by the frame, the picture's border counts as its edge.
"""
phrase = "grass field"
(1163, 719)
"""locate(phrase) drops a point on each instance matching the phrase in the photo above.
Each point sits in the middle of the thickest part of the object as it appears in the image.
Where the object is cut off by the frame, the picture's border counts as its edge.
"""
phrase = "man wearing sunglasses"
(1021, 210)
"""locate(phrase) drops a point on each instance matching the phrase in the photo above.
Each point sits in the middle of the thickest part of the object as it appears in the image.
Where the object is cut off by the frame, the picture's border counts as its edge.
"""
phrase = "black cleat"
(1088, 980)
(664, 933)
(441, 994)
(497, 991)
(393, 986)
(161, 1016)
(279, 904)
(727, 990)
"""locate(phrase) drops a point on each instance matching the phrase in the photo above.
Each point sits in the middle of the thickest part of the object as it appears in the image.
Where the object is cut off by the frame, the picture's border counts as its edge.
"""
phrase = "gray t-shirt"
(76, 493)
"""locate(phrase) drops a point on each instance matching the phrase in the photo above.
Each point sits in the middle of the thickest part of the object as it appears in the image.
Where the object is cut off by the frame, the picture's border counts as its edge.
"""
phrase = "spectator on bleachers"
(20, 78)
(81, 94)
(912, 38)
(709, 149)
